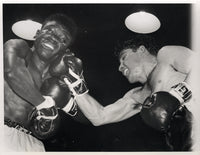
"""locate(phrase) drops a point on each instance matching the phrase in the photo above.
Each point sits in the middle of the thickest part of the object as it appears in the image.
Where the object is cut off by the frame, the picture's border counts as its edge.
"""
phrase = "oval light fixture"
(26, 29)
(142, 22)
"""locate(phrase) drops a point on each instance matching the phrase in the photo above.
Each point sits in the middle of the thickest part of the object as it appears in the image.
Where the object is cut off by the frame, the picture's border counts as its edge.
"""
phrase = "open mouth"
(48, 44)
(125, 72)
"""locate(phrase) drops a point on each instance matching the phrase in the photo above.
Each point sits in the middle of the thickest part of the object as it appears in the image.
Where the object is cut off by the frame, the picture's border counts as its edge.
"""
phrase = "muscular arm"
(99, 115)
(16, 73)
(178, 57)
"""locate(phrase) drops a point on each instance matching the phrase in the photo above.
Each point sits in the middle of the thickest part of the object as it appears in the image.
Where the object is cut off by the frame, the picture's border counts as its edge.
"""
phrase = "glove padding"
(159, 109)
(44, 119)
(69, 69)
(60, 92)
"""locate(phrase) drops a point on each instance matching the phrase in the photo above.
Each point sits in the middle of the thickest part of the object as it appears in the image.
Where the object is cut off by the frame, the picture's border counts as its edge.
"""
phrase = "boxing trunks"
(19, 139)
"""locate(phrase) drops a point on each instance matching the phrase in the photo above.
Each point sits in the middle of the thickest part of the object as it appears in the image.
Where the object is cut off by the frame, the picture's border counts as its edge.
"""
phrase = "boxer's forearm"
(23, 86)
(20, 80)
(91, 108)
(99, 115)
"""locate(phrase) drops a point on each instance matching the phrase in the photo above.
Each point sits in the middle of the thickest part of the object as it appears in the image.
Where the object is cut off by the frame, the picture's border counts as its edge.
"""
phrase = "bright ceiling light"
(26, 29)
(142, 22)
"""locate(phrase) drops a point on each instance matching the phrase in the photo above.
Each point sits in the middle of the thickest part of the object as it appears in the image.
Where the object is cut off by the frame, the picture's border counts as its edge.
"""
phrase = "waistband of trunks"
(15, 125)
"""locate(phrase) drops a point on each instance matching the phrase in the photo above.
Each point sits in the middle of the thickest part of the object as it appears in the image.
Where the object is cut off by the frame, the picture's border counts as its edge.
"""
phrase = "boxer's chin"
(136, 79)
(131, 79)
(46, 56)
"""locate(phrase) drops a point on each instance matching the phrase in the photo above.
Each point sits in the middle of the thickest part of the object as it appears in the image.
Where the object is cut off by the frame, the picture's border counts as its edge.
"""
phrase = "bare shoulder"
(18, 46)
(170, 52)
(15, 42)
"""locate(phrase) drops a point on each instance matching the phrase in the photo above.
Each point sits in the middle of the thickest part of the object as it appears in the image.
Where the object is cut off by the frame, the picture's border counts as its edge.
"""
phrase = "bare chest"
(162, 79)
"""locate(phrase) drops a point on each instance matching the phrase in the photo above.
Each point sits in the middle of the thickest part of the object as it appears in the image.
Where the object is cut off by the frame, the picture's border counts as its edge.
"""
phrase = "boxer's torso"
(16, 108)
(164, 77)
(161, 79)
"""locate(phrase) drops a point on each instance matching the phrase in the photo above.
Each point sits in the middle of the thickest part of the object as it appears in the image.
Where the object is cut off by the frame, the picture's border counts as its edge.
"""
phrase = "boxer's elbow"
(96, 123)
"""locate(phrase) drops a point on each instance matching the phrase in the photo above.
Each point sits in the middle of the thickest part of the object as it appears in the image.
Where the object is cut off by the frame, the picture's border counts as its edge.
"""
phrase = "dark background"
(101, 28)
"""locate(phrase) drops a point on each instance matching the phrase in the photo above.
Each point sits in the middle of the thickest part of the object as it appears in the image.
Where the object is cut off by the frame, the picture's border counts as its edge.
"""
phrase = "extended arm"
(99, 115)
(72, 75)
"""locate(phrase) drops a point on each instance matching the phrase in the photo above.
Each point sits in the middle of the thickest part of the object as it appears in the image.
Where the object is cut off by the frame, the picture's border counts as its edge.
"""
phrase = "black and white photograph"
(100, 77)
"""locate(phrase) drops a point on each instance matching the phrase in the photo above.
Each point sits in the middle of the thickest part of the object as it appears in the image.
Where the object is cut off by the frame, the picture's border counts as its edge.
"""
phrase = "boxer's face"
(51, 39)
(131, 66)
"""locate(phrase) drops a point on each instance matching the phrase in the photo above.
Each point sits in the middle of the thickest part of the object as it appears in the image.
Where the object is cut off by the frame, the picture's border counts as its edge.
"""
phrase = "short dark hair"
(67, 22)
(136, 41)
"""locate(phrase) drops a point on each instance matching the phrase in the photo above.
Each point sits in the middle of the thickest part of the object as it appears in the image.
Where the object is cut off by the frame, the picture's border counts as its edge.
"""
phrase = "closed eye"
(124, 56)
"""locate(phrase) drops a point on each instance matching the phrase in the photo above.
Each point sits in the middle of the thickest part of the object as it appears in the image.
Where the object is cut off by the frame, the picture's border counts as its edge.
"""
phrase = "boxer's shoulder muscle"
(16, 46)
(170, 51)
(178, 57)
(172, 67)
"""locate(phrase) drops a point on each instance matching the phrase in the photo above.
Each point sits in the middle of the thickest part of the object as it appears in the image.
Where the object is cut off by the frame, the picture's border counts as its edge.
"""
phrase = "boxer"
(30, 112)
(160, 72)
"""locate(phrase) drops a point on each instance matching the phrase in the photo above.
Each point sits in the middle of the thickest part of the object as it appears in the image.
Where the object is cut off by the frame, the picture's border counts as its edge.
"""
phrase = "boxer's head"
(137, 59)
(57, 33)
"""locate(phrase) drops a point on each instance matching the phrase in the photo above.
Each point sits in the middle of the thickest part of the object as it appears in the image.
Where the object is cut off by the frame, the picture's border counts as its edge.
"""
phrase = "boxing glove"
(43, 119)
(69, 68)
(60, 92)
(159, 109)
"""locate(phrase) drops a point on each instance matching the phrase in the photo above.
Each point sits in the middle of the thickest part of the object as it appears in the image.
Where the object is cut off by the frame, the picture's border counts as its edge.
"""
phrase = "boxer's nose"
(121, 67)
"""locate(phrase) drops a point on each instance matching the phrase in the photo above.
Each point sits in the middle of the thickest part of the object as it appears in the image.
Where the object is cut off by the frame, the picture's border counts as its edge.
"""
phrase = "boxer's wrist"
(71, 107)
(78, 86)
(47, 103)
(182, 92)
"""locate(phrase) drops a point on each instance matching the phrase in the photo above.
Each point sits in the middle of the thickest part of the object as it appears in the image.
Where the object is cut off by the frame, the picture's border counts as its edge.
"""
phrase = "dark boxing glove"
(159, 109)
(60, 92)
(43, 118)
(69, 68)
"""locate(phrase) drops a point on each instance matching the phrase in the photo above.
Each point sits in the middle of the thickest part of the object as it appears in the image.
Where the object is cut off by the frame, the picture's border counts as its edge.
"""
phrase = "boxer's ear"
(142, 48)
